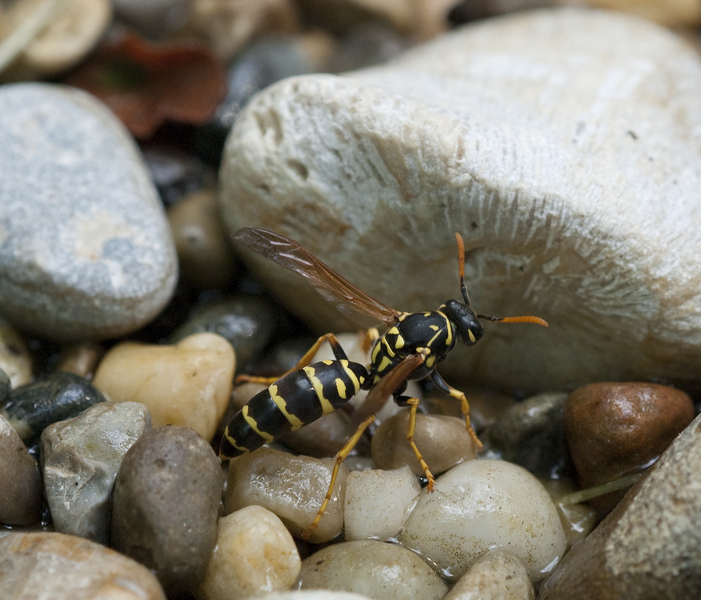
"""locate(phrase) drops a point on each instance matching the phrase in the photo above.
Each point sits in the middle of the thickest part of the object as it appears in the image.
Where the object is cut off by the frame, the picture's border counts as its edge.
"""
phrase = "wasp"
(410, 348)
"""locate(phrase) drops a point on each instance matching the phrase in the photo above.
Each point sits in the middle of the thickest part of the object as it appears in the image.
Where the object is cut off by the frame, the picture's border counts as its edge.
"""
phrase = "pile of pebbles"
(126, 312)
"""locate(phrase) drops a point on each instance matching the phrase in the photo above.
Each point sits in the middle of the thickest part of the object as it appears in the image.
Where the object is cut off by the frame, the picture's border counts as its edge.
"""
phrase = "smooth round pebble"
(530, 434)
(497, 575)
(484, 504)
(32, 407)
(21, 490)
(313, 595)
(87, 251)
(185, 384)
(177, 173)
(246, 322)
(15, 359)
(65, 567)
(376, 569)
(80, 359)
(614, 429)
(443, 442)
(292, 487)
(254, 554)
(166, 504)
(205, 256)
(81, 457)
(377, 503)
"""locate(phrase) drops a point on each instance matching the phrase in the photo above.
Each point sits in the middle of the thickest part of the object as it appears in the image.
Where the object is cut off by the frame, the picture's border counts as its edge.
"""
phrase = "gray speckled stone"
(85, 249)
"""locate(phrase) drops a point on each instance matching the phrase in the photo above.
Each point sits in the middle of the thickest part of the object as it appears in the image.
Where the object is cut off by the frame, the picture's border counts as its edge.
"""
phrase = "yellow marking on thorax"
(253, 425)
(449, 338)
(281, 403)
(386, 362)
(388, 348)
(326, 406)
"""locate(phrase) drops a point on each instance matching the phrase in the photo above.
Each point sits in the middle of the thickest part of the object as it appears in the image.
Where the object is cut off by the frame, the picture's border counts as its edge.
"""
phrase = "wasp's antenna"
(461, 263)
(536, 320)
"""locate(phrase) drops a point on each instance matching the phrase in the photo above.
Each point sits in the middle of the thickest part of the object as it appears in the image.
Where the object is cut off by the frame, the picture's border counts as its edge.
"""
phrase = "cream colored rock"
(484, 504)
(497, 575)
(185, 384)
(292, 487)
(65, 567)
(377, 503)
(547, 138)
(15, 359)
(65, 32)
(671, 13)
(254, 554)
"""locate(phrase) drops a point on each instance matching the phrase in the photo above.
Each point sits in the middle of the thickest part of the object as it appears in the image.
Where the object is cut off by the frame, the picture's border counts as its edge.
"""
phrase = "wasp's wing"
(349, 299)
(383, 389)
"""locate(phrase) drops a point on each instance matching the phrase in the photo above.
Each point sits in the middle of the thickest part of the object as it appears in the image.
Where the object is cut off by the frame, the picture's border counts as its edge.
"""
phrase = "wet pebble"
(615, 429)
(32, 407)
(292, 487)
(530, 434)
(246, 322)
(166, 503)
(81, 457)
(21, 490)
(87, 252)
(377, 503)
(443, 442)
(375, 569)
(65, 567)
(497, 575)
(649, 546)
(185, 384)
(205, 256)
(254, 554)
(484, 504)
(15, 359)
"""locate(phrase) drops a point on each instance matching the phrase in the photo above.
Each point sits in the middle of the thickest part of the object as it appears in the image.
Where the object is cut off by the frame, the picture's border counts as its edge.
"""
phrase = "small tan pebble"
(254, 554)
(292, 487)
(377, 503)
(484, 504)
(21, 489)
(15, 359)
(228, 25)
(185, 384)
(649, 546)
(376, 569)
(205, 255)
(613, 429)
(671, 13)
(80, 359)
(497, 575)
(442, 441)
(65, 567)
(70, 32)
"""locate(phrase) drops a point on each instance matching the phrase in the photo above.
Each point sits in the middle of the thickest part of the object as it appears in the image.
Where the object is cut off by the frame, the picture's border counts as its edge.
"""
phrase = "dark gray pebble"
(166, 505)
(32, 407)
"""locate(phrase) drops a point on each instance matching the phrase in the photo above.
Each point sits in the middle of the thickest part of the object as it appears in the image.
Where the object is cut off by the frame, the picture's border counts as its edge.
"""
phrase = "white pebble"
(485, 504)
(254, 553)
(378, 503)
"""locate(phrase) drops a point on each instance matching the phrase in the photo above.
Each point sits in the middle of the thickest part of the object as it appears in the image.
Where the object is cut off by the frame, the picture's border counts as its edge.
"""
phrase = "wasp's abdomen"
(293, 401)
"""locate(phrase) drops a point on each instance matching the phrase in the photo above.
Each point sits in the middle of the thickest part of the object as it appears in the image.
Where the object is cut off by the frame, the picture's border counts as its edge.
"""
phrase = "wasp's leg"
(306, 360)
(413, 404)
(442, 385)
(369, 339)
(340, 457)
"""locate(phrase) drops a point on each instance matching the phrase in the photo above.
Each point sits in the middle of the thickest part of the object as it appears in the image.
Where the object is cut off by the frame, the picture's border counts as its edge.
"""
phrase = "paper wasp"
(410, 348)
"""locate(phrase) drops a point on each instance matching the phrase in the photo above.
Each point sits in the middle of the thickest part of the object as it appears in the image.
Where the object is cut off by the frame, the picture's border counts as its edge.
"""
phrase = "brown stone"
(614, 429)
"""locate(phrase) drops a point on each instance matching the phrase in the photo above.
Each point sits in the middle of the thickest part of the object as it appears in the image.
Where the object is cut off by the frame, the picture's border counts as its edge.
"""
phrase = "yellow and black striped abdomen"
(295, 400)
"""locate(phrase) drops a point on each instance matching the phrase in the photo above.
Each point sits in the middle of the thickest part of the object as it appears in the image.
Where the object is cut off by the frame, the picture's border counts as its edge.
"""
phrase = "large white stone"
(565, 146)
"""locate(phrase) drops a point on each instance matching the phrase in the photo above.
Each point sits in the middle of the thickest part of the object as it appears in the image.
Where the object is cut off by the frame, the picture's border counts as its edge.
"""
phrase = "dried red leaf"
(146, 83)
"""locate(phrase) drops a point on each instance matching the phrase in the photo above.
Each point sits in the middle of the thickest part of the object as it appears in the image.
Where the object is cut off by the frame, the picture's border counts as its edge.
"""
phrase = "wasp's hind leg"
(413, 404)
(442, 385)
(341, 455)
(306, 360)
